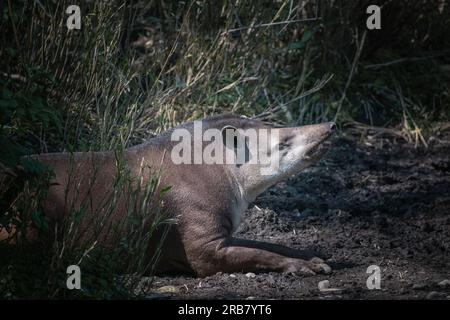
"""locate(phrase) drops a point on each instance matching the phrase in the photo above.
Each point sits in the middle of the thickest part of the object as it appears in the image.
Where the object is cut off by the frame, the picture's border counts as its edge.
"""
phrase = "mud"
(369, 201)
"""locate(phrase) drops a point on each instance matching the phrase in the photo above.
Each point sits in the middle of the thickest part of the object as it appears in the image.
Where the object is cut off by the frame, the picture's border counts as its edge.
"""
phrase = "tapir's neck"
(252, 182)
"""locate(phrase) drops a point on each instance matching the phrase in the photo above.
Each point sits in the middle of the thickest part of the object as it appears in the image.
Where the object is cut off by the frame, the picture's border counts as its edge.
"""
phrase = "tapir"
(215, 168)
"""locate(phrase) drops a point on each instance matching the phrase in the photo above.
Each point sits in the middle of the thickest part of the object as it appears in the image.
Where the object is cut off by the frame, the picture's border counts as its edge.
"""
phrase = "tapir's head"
(264, 154)
(299, 147)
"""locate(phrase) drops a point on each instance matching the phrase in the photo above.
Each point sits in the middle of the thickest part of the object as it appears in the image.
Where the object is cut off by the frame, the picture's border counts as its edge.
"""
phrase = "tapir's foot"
(308, 268)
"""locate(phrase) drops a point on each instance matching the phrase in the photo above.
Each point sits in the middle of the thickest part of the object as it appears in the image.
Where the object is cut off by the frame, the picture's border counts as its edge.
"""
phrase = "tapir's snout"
(311, 138)
(320, 132)
(317, 133)
(324, 128)
(309, 134)
(332, 126)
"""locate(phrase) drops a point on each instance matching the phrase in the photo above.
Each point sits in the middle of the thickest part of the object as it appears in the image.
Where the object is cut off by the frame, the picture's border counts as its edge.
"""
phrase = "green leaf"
(166, 189)
(300, 44)
(306, 36)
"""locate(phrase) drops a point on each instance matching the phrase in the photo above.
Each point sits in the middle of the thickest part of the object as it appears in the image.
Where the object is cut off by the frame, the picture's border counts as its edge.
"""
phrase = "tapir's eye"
(285, 143)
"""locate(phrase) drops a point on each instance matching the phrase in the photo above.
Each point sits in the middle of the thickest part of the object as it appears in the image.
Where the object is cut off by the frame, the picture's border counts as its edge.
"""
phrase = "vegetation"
(138, 67)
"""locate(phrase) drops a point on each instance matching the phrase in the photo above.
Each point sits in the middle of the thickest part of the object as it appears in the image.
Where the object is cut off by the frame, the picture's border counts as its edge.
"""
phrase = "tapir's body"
(206, 201)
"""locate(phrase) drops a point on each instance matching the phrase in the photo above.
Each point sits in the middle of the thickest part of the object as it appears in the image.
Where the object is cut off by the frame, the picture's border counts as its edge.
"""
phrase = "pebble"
(168, 289)
(324, 286)
(232, 275)
(250, 275)
(433, 295)
(418, 286)
(444, 283)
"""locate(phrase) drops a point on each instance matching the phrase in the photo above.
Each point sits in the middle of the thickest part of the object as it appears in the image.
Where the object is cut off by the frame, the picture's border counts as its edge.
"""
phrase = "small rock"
(433, 295)
(250, 298)
(232, 275)
(444, 283)
(418, 286)
(324, 286)
(250, 275)
(168, 289)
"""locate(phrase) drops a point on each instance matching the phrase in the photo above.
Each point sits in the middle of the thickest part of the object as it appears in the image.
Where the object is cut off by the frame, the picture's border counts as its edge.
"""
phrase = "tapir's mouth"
(319, 148)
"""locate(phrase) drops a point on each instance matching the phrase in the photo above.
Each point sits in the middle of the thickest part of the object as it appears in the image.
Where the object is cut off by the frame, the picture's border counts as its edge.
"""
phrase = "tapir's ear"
(230, 133)
(230, 138)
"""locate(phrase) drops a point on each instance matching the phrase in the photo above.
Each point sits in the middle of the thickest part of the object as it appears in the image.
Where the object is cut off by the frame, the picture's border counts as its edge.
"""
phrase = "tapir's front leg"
(277, 248)
(236, 255)
(210, 248)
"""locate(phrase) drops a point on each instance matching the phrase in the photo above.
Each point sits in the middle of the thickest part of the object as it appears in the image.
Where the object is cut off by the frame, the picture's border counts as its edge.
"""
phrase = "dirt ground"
(369, 201)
